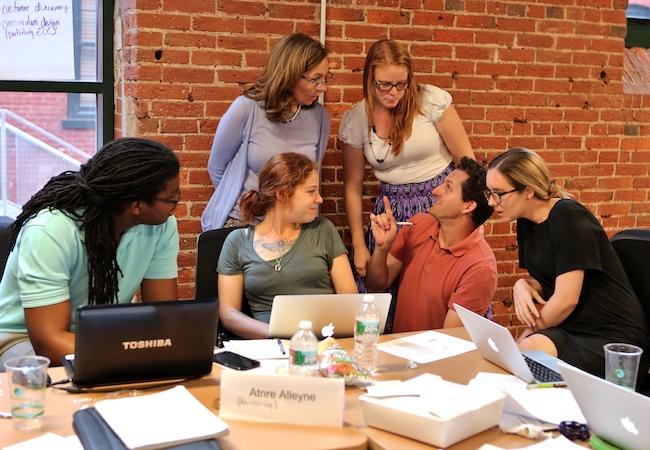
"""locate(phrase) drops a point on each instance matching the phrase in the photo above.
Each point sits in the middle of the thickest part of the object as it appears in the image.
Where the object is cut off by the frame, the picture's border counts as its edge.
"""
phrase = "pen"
(281, 347)
(540, 386)
(408, 224)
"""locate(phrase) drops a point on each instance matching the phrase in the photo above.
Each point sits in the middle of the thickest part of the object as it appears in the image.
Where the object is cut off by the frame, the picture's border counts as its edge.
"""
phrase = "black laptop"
(143, 342)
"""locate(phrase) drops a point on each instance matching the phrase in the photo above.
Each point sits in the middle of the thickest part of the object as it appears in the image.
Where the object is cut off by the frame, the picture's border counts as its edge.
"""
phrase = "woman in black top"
(576, 274)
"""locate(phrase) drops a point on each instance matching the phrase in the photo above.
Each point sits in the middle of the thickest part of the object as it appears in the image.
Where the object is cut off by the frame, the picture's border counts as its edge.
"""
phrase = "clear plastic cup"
(622, 364)
(27, 377)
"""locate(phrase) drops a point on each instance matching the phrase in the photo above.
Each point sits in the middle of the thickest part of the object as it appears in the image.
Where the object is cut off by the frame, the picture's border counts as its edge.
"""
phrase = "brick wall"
(545, 75)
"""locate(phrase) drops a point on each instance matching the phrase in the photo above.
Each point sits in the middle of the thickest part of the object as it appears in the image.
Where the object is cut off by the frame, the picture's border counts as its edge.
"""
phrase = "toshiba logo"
(134, 345)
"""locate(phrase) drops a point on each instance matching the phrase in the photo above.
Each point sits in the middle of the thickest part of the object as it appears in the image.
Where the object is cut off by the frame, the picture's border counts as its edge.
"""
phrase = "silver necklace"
(287, 119)
(373, 150)
(278, 266)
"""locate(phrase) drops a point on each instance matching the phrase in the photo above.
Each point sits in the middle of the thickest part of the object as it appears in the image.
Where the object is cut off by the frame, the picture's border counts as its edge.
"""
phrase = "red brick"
(391, 17)
(235, 7)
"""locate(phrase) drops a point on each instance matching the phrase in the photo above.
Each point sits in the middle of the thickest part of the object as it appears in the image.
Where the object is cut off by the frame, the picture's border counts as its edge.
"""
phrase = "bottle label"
(303, 358)
(367, 327)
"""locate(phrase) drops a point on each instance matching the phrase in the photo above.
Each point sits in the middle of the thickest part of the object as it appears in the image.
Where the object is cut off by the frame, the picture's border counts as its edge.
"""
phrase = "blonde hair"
(389, 52)
(292, 56)
(524, 168)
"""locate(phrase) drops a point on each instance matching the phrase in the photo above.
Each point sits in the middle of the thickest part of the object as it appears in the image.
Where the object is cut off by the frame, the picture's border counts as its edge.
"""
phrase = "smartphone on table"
(235, 361)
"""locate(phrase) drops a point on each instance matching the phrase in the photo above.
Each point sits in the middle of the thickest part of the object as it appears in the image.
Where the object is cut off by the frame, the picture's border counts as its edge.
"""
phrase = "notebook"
(136, 342)
(496, 344)
(614, 414)
(327, 313)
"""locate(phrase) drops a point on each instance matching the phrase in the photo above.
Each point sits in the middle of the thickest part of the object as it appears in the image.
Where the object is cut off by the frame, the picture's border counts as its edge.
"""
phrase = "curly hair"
(123, 171)
(474, 188)
(283, 173)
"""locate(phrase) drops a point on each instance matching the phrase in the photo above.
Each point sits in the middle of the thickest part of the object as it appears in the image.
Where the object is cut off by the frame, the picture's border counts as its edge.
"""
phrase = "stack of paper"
(160, 420)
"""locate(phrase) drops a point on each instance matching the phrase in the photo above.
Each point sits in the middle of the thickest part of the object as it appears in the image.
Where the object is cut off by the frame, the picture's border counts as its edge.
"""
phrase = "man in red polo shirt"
(441, 259)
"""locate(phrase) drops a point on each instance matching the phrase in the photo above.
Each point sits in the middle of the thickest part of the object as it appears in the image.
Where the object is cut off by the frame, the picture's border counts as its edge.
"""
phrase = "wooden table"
(59, 407)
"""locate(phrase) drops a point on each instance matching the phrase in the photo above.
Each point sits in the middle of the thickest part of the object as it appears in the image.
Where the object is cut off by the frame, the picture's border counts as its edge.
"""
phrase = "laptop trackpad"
(542, 358)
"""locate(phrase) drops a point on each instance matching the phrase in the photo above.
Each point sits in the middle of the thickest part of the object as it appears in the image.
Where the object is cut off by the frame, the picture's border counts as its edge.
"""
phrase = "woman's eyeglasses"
(316, 81)
(386, 87)
(496, 196)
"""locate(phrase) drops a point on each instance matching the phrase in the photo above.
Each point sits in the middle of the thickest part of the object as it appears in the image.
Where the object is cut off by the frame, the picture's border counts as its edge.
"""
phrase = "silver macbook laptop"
(324, 311)
(614, 414)
(496, 344)
(136, 342)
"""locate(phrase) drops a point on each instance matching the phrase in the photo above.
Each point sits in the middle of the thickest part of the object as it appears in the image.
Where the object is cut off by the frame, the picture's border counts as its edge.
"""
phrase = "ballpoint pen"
(281, 347)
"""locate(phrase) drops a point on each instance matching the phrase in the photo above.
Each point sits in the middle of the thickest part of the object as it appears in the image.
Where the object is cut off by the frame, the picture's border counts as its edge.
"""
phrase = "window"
(638, 24)
(56, 91)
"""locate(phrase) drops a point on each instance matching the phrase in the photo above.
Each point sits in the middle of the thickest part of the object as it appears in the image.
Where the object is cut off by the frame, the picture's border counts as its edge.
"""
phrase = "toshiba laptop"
(327, 313)
(496, 344)
(617, 415)
(136, 342)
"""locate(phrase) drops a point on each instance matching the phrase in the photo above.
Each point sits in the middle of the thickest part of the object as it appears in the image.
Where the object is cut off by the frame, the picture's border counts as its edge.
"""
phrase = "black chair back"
(208, 249)
(633, 249)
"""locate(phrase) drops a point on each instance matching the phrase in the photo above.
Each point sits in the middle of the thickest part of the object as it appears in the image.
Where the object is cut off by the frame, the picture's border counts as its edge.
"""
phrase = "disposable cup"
(622, 364)
(27, 383)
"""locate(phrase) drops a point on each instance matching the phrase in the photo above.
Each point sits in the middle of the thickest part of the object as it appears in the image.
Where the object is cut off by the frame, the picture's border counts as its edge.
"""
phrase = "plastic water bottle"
(366, 335)
(303, 351)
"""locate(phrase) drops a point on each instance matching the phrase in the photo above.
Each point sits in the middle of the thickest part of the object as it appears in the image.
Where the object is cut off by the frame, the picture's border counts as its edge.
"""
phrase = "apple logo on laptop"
(493, 345)
(327, 331)
(629, 425)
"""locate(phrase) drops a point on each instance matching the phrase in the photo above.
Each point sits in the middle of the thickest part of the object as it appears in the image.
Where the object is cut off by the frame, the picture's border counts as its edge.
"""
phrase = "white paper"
(158, 420)
(559, 443)
(259, 348)
(427, 347)
(289, 399)
(488, 380)
(552, 405)
(49, 441)
(36, 42)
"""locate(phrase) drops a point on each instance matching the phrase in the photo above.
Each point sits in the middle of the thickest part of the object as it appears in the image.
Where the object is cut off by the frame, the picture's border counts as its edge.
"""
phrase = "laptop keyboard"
(542, 373)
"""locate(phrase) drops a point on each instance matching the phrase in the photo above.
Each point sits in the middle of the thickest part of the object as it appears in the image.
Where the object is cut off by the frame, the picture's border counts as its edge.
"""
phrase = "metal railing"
(27, 162)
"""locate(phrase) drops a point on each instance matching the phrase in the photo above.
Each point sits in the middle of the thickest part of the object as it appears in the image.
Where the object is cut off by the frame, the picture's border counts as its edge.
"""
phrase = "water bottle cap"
(368, 298)
(305, 325)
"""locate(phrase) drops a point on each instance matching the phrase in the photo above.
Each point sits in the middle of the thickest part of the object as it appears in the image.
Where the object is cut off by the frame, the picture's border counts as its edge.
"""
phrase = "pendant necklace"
(278, 266)
(287, 119)
(373, 150)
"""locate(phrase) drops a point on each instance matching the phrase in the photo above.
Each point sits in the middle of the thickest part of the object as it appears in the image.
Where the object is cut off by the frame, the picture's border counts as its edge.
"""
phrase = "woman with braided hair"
(90, 237)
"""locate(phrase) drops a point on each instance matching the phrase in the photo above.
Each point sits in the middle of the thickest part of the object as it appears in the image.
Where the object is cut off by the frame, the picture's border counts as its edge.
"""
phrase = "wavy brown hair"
(292, 56)
(389, 52)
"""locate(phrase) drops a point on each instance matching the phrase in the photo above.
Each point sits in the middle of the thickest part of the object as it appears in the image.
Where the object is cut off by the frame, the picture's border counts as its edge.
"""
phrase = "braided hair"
(123, 171)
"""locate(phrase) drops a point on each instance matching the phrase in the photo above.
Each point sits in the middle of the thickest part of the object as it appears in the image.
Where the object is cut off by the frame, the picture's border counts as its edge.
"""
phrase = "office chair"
(633, 248)
(208, 249)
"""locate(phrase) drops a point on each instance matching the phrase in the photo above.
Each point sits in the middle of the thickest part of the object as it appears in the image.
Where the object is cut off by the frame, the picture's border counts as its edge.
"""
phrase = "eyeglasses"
(386, 87)
(328, 77)
(168, 200)
(497, 195)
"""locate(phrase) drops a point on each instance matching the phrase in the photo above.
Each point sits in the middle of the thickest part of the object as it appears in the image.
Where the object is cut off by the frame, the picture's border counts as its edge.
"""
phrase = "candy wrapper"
(334, 362)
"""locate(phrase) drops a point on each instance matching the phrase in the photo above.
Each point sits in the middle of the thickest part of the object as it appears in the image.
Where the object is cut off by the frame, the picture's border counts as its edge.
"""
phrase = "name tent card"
(276, 398)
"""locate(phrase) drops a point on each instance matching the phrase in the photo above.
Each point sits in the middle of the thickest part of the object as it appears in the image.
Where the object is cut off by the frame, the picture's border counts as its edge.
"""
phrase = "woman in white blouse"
(409, 133)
